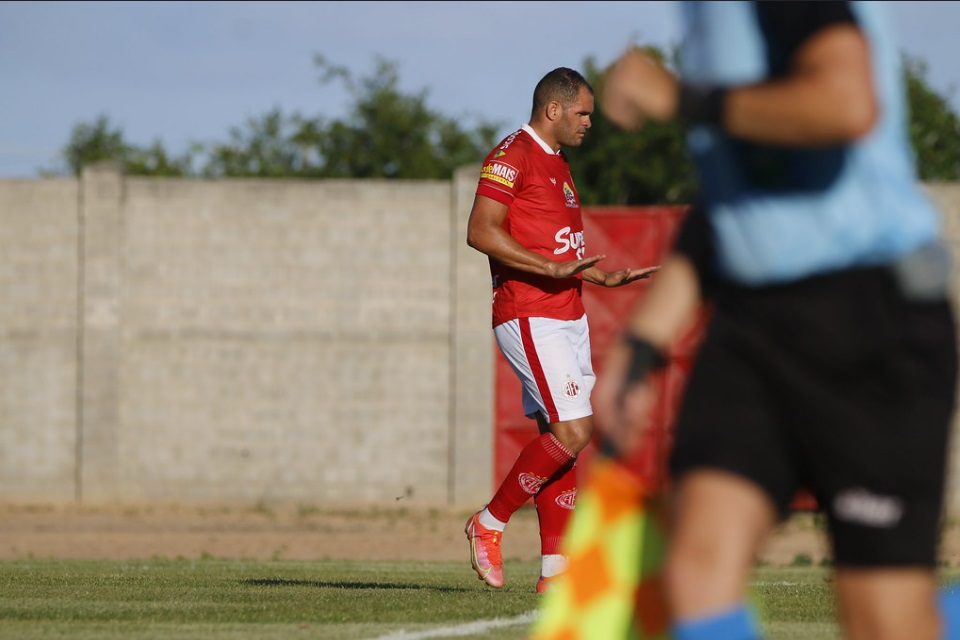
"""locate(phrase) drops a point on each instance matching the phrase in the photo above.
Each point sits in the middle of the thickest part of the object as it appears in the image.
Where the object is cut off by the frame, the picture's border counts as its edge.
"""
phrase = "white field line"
(482, 626)
(466, 629)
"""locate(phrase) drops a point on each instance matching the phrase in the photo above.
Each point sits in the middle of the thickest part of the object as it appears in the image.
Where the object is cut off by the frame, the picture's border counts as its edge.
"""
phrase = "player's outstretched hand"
(626, 276)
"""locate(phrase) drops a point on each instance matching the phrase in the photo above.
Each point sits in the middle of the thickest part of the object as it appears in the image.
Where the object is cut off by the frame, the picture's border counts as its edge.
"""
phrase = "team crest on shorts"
(571, 389)
(531, 483)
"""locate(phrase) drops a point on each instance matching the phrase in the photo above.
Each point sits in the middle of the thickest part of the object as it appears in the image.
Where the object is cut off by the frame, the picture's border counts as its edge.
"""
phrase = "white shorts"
(552, 359)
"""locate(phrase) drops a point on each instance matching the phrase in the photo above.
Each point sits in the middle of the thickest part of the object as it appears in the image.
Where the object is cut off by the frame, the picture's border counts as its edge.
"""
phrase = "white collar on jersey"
(543, 144)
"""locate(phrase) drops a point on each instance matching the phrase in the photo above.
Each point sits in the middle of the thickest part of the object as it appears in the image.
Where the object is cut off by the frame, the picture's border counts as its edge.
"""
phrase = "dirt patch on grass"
(308, 534)
(175, 532)
(416, 534)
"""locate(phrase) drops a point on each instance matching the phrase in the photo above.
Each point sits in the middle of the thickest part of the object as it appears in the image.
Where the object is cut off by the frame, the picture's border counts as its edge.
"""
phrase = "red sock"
(536, 464)
(554, 506)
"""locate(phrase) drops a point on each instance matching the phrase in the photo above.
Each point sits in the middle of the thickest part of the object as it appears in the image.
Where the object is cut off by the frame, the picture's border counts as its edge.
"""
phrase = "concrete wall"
(242, 341)
(947, 199)
(247, 341)
(39, 280)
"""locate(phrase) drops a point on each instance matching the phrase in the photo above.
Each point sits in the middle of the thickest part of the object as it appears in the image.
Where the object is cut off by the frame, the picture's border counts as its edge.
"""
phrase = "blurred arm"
(668, 309)
(827, 97)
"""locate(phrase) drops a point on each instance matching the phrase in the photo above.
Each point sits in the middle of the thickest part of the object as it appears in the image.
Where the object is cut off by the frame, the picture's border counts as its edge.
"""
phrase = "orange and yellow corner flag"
(615, 542)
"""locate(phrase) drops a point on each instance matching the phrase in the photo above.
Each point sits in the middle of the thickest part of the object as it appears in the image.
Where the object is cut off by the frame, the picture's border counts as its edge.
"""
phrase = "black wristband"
(701, 104)
(644, 358)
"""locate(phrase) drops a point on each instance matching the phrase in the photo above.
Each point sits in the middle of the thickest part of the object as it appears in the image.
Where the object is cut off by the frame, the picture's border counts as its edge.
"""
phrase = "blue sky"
(182, 72)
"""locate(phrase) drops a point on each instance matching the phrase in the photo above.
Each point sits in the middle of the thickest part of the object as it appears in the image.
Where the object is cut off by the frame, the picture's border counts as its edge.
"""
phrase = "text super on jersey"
(543, 215)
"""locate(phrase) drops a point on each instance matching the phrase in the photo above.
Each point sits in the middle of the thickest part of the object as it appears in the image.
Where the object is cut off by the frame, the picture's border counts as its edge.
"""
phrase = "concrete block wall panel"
(39, 270)
(286, 340)
(472, 385)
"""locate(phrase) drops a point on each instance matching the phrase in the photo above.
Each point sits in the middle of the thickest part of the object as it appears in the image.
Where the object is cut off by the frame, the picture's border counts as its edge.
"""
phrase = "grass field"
(215, 599)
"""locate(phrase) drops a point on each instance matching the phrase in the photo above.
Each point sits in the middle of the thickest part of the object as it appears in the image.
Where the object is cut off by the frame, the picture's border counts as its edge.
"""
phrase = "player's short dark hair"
(562, 84)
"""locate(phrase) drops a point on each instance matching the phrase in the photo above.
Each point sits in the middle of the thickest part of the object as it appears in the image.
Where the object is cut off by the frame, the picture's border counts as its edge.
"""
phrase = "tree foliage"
(92, 143)
(267, 147)
(386, 134)
(391, 134)
(98, 142)
(934, 127)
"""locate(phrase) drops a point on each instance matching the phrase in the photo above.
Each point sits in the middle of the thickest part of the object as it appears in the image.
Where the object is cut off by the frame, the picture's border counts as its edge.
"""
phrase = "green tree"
(99, 141)
(389, 134)
(155, 161)
(267, 148)
(934, 127)
(386, 134)
(94, 142)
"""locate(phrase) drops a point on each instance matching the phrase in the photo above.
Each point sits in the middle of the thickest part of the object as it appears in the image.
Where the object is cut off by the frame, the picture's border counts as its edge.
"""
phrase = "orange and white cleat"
(485, 551)
(545, 584)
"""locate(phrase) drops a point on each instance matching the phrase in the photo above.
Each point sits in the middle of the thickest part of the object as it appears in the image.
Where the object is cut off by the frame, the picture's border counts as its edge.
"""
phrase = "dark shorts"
(839, 385)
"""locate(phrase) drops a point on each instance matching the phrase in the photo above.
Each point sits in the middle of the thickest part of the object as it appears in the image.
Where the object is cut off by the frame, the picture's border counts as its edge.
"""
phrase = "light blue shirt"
(781, 214)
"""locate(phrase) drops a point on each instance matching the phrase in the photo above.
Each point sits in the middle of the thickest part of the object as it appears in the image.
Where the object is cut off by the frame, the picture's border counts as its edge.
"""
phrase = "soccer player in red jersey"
(526, 218)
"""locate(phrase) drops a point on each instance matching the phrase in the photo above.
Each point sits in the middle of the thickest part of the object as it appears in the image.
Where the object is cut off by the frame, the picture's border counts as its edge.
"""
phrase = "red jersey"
(544, 217)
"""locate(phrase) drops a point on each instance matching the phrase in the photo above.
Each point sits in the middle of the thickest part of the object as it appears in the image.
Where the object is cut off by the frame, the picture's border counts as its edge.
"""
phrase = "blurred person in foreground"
(830, 359)
(526, 218)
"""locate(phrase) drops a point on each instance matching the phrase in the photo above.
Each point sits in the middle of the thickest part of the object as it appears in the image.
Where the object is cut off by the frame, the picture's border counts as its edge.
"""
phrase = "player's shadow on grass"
(323, 584)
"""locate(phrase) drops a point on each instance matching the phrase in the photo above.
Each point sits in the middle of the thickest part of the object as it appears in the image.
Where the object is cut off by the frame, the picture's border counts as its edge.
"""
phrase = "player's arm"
(486, 234)
(621, 396)
(826, 98)
(596, 275)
